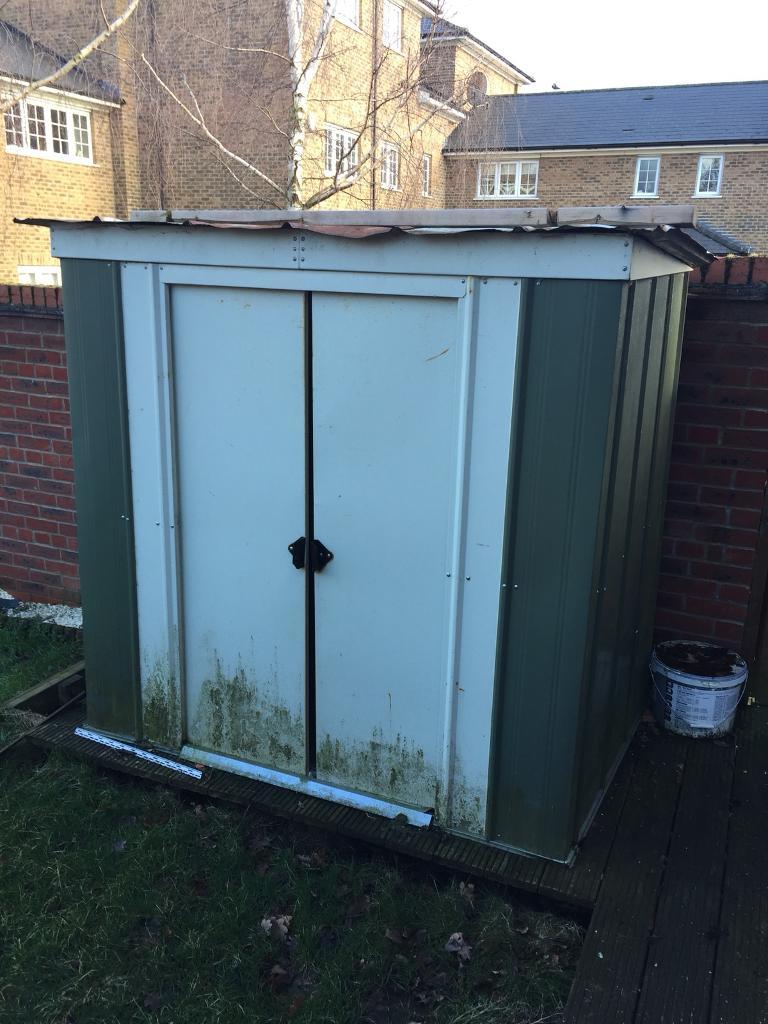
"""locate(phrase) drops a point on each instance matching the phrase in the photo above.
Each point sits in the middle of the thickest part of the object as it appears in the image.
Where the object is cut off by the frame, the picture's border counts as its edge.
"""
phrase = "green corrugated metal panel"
(565, 405)
(662, 444)
(615, 692)
(93, 320)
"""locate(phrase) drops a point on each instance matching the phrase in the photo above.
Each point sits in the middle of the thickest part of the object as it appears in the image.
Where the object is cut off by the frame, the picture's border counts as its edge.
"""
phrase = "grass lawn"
(30, 651)
(124, 903)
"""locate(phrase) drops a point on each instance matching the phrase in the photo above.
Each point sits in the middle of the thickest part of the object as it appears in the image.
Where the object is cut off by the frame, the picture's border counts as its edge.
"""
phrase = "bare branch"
(73, 62)
(200, 122)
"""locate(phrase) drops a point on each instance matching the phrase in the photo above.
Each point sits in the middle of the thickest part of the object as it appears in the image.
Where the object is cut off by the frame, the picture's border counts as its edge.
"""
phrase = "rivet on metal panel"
(623, 268)
(515, 586)
(295, 259)
(626, 245)
(467, 578)
(301, 260)
(448, 575)
(303, 238)
(503, 586)
(485, 280)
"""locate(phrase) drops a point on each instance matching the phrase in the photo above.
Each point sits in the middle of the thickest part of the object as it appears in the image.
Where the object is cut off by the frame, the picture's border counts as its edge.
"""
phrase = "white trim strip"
(145, 755)
(348, 797)
(491, 155)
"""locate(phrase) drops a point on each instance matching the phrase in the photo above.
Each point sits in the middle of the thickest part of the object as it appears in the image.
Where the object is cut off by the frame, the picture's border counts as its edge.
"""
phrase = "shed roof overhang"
(663, 228)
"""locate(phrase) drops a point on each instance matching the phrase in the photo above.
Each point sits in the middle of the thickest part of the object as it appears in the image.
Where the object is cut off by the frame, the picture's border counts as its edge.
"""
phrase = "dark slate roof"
(434, 28)
(23, 58)
(724, 113)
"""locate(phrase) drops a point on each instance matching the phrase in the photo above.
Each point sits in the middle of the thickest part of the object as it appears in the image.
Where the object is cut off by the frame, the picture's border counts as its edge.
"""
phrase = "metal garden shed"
(370, 504)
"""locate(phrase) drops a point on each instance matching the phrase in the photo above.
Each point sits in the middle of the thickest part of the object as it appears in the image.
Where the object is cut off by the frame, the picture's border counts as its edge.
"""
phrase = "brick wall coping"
(735, 276)
(23, 298)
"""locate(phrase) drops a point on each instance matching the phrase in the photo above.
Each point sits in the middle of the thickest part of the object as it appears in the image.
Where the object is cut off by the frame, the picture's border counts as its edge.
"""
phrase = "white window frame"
(348, 139)
(33, 275)
(698, 194)
(387, 38)
(345, 18)
(646, 195)
(390, 167)
(426, 174)
(48, 105)
(497, 165)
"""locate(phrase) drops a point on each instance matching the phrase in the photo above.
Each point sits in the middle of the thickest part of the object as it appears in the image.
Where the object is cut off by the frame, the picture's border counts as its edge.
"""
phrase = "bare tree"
(280, 68)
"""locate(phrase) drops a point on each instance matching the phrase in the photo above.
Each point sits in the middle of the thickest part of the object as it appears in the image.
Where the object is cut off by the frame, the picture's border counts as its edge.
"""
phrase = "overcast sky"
(603, 43)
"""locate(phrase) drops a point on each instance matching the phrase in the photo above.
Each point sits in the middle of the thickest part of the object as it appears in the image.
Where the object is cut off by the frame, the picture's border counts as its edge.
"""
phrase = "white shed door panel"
(385, 402)
(240, 437)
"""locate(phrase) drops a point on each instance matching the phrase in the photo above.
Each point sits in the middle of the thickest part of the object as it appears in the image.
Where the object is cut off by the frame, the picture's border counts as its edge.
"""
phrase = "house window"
(43, 277)
(509, 179)
(709, 175)
(392, 26)
(647, 176)
(41, 127)
(340, 150)
(390, 166)
(348, 11)
(426, 175)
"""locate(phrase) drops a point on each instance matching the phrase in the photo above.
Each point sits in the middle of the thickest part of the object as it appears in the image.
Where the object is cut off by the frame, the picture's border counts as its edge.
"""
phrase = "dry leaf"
(458, 944)
(277, 925)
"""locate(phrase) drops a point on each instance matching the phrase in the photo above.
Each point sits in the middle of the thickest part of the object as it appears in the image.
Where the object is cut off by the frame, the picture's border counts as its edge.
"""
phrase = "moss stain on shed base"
(234, 717)
(161, 709)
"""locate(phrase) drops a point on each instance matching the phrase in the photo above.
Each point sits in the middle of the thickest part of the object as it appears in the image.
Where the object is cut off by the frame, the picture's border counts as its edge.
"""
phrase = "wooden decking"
(674, 870)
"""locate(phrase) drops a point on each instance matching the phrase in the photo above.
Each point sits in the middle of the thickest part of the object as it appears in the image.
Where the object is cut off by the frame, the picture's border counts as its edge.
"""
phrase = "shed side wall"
(560, 448)
(94, 335)
(616, 685)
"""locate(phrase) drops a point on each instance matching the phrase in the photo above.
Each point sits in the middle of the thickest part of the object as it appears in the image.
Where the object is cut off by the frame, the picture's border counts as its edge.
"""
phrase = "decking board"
(677, 987)
(740, 988)
(610, 972)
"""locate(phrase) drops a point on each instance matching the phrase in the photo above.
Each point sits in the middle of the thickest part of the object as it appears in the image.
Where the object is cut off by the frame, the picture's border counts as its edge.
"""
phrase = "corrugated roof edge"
(662, 226)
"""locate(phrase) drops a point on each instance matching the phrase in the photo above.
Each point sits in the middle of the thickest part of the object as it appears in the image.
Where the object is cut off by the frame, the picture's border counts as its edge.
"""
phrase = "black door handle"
(319, 555)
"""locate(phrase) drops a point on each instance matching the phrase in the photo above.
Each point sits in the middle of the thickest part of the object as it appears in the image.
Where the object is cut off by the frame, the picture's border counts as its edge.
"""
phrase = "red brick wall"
(720, 457)
(38, 539)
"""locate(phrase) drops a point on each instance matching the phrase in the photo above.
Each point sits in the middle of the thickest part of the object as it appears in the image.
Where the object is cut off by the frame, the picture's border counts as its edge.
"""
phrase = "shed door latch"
(319, 555)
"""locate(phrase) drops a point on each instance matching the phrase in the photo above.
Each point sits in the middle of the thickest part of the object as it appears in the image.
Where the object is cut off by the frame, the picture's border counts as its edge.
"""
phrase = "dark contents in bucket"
(698, 658)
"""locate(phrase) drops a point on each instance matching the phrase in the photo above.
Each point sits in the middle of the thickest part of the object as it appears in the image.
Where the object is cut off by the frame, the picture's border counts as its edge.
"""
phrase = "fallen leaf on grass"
(458, 944)
(153, 1001)
(277, 925)
(279, 978)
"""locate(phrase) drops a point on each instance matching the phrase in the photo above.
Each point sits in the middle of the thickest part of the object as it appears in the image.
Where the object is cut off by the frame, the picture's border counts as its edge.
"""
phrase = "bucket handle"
(715, 725)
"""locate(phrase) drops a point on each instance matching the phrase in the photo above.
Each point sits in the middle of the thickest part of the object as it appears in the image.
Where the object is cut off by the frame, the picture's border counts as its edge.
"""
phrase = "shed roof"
(23, 58)
(672, 229)
(716, 113)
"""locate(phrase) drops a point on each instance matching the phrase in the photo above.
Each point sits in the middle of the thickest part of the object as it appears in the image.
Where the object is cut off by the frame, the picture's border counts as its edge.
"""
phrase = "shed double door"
(332, 417)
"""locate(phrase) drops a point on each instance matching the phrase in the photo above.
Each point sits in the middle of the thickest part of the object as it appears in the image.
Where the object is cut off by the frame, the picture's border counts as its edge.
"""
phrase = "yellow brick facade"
(606, 178)
(39, 186)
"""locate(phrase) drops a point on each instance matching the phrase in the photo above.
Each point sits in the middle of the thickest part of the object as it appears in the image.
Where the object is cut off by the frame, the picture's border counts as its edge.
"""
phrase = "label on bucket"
(701, 709)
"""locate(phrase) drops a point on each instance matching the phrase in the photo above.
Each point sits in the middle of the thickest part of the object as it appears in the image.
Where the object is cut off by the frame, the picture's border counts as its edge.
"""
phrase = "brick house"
(705, 145)
(394, 80)
(64, 154)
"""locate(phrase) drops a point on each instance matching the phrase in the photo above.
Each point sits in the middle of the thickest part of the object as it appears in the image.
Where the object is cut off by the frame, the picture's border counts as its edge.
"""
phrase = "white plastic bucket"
(701, 698)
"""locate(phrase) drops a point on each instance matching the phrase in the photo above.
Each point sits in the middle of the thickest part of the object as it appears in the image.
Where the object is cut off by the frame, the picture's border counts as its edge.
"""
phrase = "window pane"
(347, 9)
(82, 136)
(529, 174)
(486, 185)
(508, 179)
(59, 136)
(14, 136)
(647, 176)
(709, 174)
(392, 25)
(36, 122)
